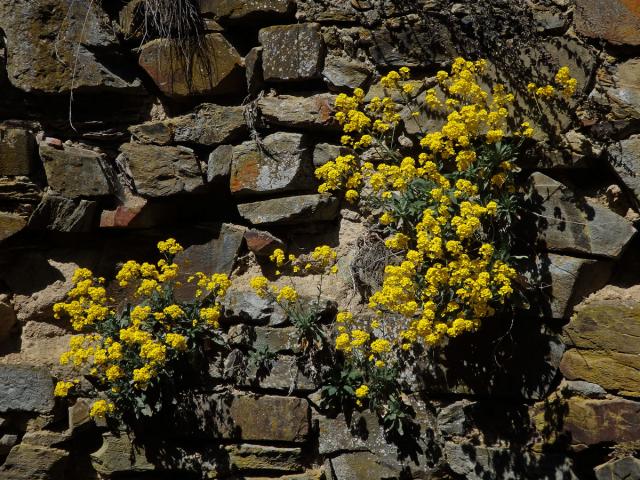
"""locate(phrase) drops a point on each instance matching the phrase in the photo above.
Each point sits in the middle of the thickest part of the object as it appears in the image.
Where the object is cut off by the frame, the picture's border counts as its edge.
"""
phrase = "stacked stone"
(111, 138)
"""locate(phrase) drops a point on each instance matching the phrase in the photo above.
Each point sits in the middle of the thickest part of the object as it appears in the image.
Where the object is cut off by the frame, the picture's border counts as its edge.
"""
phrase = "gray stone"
(476, 462)
(7, 441)
(580, 387)
(118, 454)
(17, 149)
(569, 223)
(292, 52)
(247, 10)
(275, 339)
(617, 21)
(58, 39)
(624, 157)
(361, 466)
(62, 214)
(326, 152)
(291, 210)
(308, 113)
(624, 94)
(251, 458)
(31, 462)
(7, 316)
(10, 224)
(79, 417)
(76, 172)
(282, 163)
(215, 69)
(262, 243)
(626, 468)
(249, 418)
(452, 419)
(219, 164)
(208, 125)
(247, 307)
(282, 374)
(253, 70)
(161, 171)
(25, 388)
(342, 73)
(565, 281)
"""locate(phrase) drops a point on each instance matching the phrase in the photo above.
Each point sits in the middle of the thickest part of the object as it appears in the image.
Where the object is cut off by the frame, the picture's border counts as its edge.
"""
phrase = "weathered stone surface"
(79, 417)
(62, 214)
(284, 374)
(342, 73)
(17, 149)
(7, 441)
(118, 454)
(275, 339)
(605, 336)
(45, 438)
(215, 69)
(569, 223)
(568, 281)
(49, 39)
(624, 95)
(248, 458)
(617, 21)
(262, 243)
(282, 164)
(291, 210)
(245, 417)
(292, 52)
(209, 124)
(580, 387)
(31, 462)
(326, 152)
(25, 389)
(247, 307)
(10, 224)
(7, 316)
(76, 172)
(361, 465)
(624, 157)
(253, 70)
(452, 419)
(219, 164)
(626, 468)
(484, 463)
(250, 10)
(590, 422)
(161, 171)
(311, 113)
(137, 212)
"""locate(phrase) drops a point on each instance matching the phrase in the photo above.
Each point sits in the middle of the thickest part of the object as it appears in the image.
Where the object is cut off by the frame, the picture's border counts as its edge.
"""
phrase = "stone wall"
(111, 139)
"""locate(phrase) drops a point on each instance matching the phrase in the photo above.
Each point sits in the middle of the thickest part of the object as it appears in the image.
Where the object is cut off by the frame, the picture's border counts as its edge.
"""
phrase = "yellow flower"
(62, 388)
(176, 341)
(287, 294)
(170, 246)
(362, 391)
(101, 408)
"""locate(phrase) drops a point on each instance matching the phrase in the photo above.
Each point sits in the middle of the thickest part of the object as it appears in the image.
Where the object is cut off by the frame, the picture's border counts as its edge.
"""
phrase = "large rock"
(565, 281)
(307, 113)
(624, 94)
(118, 454)
(342, 73)
(361, 466)
(215, 68)
(62, 214)
(216, 254)
(209, 125)
(617, 21)
(244, 417)
(474, 462)
(247, 10)
(282, 374)
(568, 223)
(51, 45)
(605, 338)
(76, 172)
(25, 389)
(624, 157)
(625, 468)
(291, 210)
(17, 150)
(590, 422)
(134, 211)
(292, 52)
(31, 462)
(246, 307)
(10, 224)
(252, 458)
(161, 171)
(281, 163)
(219, 164)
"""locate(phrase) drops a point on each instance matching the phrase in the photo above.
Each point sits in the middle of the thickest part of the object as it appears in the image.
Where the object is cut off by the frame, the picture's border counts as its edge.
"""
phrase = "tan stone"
(591, 422)
(617, 21)
(17, 148)
(213, 69)
(10, 224)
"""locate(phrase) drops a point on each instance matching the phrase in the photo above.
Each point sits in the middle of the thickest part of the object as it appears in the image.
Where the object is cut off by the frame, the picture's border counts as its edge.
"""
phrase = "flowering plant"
(133, 356)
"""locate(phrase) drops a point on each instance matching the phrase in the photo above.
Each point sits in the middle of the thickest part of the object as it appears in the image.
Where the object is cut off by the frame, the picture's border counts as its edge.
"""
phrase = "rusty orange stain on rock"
(633, 5)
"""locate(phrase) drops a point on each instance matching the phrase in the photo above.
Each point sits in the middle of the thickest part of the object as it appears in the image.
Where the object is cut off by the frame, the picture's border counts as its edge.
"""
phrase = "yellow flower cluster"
(563, 80)
(127, 352)
(449, 277)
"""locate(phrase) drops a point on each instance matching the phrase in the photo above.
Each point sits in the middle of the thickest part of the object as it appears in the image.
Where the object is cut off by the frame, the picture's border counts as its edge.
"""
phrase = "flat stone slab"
(25, 388)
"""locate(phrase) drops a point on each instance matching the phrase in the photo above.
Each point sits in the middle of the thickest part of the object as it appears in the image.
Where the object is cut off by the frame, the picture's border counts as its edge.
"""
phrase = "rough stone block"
(247, 10)
(61, 214)
(307, 113)
(17, 149)
(617, 21)
(25, 389)
(292, 52)
(291, 210)
(30, 462)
